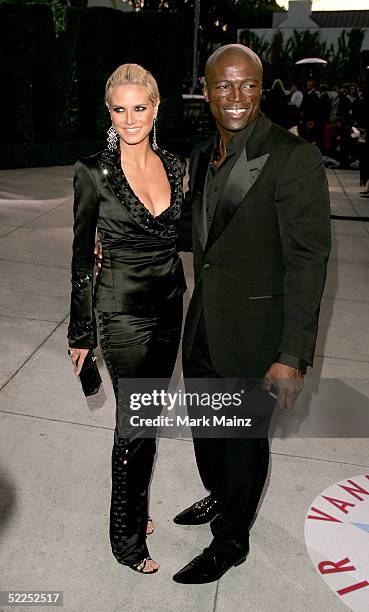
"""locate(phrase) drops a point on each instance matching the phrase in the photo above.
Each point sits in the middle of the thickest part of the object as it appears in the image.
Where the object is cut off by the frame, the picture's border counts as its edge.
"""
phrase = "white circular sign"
(337, 539)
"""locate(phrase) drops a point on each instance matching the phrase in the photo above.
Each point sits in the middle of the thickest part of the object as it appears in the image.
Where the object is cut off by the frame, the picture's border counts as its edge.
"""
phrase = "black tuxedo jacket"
(260, 272)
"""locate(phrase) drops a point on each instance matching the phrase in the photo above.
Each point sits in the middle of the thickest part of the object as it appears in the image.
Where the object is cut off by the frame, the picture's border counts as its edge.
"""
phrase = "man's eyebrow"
(255, 79)
(239, 78)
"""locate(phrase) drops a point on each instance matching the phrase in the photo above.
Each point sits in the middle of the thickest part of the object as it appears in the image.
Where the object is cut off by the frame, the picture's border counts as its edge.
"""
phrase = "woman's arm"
(82, 325)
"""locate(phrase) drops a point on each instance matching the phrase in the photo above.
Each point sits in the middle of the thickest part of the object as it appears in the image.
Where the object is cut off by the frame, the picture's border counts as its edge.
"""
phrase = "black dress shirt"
(217, 176)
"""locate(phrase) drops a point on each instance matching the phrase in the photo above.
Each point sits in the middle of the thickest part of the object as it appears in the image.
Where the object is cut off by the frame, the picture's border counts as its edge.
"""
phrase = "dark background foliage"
(53, 79)
(346, 62)
(56, 55)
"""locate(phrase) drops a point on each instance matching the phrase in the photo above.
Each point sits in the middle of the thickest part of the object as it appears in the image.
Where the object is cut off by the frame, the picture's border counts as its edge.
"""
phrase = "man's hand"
(98, 255)
(288, 383)
(78, 355)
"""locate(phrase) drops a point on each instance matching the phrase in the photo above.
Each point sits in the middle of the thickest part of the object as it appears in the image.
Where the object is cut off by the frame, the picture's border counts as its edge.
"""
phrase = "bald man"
(257, 219)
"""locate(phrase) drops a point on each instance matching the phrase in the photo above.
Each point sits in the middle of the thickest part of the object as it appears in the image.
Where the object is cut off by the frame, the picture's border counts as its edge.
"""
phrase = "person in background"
(310, 103)
(275, 103)
(341, 143)
(343, 92)
(277, 106)
(364, 144)
(351, 107)
(335, 102)
(296, 96)
(312, 133)
(325, 106)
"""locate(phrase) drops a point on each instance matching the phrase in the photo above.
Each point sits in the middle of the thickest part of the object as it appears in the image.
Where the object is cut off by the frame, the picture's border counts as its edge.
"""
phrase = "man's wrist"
(293, 362)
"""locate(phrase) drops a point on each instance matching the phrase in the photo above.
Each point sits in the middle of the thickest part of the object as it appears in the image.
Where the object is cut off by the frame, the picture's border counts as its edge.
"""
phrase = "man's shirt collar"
(236, 143)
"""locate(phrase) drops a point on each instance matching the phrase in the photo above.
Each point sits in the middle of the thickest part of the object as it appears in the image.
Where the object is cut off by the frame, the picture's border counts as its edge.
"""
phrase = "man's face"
(233, 89)
(310, 85)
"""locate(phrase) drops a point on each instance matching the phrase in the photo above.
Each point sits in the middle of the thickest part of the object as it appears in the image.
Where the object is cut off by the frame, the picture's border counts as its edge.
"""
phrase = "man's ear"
(206, 95)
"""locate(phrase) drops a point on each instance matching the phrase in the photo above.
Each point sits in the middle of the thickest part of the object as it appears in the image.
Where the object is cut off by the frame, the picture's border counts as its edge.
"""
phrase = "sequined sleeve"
(82, 324)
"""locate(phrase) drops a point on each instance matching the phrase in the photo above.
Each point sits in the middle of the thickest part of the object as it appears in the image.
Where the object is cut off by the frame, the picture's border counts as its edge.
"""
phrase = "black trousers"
(232, 469)
(136, 345)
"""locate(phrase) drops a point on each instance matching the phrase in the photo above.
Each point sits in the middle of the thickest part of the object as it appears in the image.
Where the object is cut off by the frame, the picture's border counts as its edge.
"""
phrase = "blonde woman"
(131, 193)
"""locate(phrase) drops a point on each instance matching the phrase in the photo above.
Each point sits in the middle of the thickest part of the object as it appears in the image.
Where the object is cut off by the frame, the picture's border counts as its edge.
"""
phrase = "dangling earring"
(154, 143)
(112, 138)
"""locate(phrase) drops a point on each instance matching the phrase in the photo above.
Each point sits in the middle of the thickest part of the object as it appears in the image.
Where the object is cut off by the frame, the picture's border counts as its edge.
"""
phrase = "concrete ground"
(55, 446)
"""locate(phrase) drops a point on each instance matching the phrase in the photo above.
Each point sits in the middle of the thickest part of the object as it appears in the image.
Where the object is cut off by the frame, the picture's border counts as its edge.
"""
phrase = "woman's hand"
(98, 256)
(78, 355)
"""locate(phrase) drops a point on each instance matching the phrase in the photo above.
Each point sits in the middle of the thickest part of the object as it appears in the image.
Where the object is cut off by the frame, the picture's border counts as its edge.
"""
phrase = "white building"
(120, 5)
(329, 24)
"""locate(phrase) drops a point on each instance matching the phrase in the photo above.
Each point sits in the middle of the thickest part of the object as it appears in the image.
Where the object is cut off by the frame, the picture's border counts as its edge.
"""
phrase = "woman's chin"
(133, 139)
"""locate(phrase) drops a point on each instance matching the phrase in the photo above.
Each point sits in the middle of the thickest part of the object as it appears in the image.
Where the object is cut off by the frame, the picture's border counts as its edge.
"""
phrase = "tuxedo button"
(206, 266)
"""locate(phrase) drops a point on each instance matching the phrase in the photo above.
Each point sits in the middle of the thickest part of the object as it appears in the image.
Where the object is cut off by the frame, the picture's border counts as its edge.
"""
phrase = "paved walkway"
(55, 446)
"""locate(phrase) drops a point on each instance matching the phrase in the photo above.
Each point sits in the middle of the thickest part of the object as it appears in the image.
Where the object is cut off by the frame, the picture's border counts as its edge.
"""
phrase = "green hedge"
(158, 41)
(53, 83)
(27, 60)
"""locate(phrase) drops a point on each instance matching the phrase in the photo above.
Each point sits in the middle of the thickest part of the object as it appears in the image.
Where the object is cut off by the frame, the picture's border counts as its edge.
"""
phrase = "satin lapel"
(258, 136)
(240, 180)
(198, 210)
(246, 169)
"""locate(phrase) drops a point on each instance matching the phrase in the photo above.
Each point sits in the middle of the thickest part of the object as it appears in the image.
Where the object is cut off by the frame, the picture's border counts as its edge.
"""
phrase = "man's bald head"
(233, 87)
(229, 53)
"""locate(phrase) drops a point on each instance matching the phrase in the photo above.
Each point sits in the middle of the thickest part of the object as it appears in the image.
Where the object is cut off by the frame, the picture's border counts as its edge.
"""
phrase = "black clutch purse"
(89, 375)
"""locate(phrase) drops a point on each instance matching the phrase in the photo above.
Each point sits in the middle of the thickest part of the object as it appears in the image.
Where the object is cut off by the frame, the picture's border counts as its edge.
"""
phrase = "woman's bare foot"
(148, 566)
(150, 528)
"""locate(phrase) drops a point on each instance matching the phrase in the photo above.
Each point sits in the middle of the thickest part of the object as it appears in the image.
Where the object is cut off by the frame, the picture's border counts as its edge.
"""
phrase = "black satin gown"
(138, 297)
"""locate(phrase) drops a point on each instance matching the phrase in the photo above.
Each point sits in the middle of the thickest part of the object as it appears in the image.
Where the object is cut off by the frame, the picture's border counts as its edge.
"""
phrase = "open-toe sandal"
(135, 566)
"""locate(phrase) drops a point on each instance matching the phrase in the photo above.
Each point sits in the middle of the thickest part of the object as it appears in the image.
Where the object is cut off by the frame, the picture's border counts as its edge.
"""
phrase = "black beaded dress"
(138, 299)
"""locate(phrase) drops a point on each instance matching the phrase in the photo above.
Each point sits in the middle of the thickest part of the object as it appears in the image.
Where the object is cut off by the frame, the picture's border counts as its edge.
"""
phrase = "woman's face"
(132, 112)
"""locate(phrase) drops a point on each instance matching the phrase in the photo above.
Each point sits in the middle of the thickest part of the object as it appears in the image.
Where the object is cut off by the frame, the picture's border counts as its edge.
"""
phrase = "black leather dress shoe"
(199, 513)
(207, 567)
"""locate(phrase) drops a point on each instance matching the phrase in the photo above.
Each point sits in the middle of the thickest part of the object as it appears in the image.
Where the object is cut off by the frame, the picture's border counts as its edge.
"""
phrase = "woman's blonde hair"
(132, 74)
